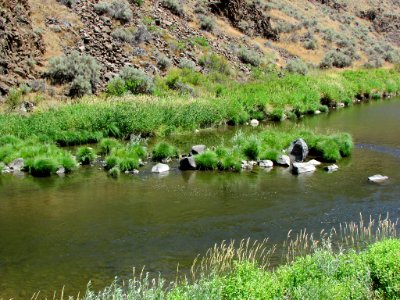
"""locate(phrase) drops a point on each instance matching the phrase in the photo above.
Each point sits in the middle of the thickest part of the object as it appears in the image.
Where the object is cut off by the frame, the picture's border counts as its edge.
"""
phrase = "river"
(87, 226)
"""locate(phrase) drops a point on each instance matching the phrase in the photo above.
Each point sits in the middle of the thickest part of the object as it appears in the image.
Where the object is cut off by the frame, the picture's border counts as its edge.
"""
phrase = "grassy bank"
(354, 261)
(215, 100)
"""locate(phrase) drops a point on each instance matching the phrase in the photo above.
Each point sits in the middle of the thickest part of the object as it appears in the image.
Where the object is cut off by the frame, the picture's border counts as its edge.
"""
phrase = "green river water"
(87, 226)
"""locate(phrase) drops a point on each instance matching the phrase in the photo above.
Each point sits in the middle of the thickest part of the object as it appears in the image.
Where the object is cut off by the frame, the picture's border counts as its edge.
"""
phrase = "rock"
(283, 160)
(265, 164)
(246, 165)
(160, 168)
(197, 149)
(17, 164)
(378, 178)
(298, 150)
(254, 123)
(60, 171)
(314, 162)
(317, 112)
(300, 168)
(340, 105)
(187, 163)
(332, 168)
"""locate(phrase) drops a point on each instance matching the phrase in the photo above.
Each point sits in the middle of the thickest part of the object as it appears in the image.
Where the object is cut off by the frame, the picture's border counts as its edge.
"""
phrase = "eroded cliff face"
(20, 47)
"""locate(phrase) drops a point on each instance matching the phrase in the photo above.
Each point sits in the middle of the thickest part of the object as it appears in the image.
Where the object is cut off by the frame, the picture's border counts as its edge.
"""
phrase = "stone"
(60, 171)
(331, 168)
(301, 168)
(378, 178)
(160, 168)
(17, 164)
(197, 149)
(283, 160)
(317, 112)
(265, 164)
(187, 163)
(246, 165)
(314, 162)
(254, 123)
(298, 150)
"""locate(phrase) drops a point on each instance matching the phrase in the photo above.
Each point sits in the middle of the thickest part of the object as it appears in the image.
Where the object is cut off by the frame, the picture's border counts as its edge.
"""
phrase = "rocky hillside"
(153, 35)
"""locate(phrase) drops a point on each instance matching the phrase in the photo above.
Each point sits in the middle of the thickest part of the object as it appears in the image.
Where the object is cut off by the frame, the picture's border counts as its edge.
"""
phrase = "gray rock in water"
(332, 168)
(187, 163)
(265, 164)
(246, 165)
(60, 171)
(378, 178)
(283, 160)
(197, 149)
(314, 162)
(300, 168)
(298, 149)
(254, 123)
(17, 164)
(160, 168)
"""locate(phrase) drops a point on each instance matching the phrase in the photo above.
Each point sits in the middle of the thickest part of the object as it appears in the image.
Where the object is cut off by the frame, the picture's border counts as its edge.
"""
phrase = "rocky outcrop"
(187, 163)
(298, 150)
(237, 11)
(20, 46)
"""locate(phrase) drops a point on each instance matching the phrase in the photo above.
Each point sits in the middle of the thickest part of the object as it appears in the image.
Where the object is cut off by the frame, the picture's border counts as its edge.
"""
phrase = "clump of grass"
(107, 144)
(85, 155)
(270, 154)
(111, 161)
(130, 80)
(163, 151)
(42, 166)
(114, 172)
(252, 147)
(207, 160)
(117, 9)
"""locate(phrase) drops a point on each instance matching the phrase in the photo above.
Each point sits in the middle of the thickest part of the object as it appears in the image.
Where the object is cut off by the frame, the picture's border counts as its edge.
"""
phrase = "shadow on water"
(87, 226)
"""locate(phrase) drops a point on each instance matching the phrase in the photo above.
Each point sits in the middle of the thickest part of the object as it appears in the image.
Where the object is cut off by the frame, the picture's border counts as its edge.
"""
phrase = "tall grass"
(322, 268)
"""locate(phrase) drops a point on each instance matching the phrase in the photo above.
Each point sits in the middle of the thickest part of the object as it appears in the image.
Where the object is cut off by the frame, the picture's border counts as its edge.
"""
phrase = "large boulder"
(298, 150)
(197, 149)
(160, 168)
(187, 163)
(300, 168)
(283, 160)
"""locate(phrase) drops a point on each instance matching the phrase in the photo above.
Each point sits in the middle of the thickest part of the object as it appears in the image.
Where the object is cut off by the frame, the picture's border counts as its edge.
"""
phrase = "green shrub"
(124, 34)
(111, 162)
(41, 166)
(114, 172)
(383, 259)
(207, 160)
(68, 162)
(345, 143)
(175, 6)
(215, 62)
(85, 155)
(128, 164)
(328, 148)
(116, 86)
(270, 154)
(252, 148)
(188, 64)
(250, 57)
(135, 149)
(117, 9)
(14, 98)
(310, 44)
(163, 63)
(82, 71)
(136, 81)
(163, 150)
(297, 66)
(107, 144)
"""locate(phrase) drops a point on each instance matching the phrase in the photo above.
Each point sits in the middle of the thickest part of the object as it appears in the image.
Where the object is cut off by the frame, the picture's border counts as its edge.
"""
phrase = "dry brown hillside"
(152, 35)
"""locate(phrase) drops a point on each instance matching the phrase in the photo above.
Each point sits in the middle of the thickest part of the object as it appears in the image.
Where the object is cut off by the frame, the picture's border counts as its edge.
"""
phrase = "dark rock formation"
(237, 11)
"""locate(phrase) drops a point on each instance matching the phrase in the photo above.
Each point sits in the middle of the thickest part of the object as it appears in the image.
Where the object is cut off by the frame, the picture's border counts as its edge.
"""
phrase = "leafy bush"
(297, 66)
(124, 34)
(207, 160)
(249, 57)
(175, 6)
(86, 155)
(252, 148)
(111, 162)
(383, 259)
(114, 172)
(132, 80)
(215, 62)
(207, 23)
(163, 150)
(117, 9)
(14, 98)
(310, 44)
(68, 162)
(335, 58)
(376, 62)
(107, 144)
(82, 71)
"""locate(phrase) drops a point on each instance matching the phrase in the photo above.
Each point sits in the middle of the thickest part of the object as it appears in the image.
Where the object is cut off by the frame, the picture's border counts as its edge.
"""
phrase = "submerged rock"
(187, 163)
(60, 171)
(300, 168)
(283, 160)
(17, 164)
(246, 165)
(332, 168)
(197, 149)
(265, 164)
(298, 150)
(160, 168)
(378, 178)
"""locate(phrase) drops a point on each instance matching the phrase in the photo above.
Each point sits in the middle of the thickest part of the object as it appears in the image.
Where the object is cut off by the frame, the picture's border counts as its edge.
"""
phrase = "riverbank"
(328, 268)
